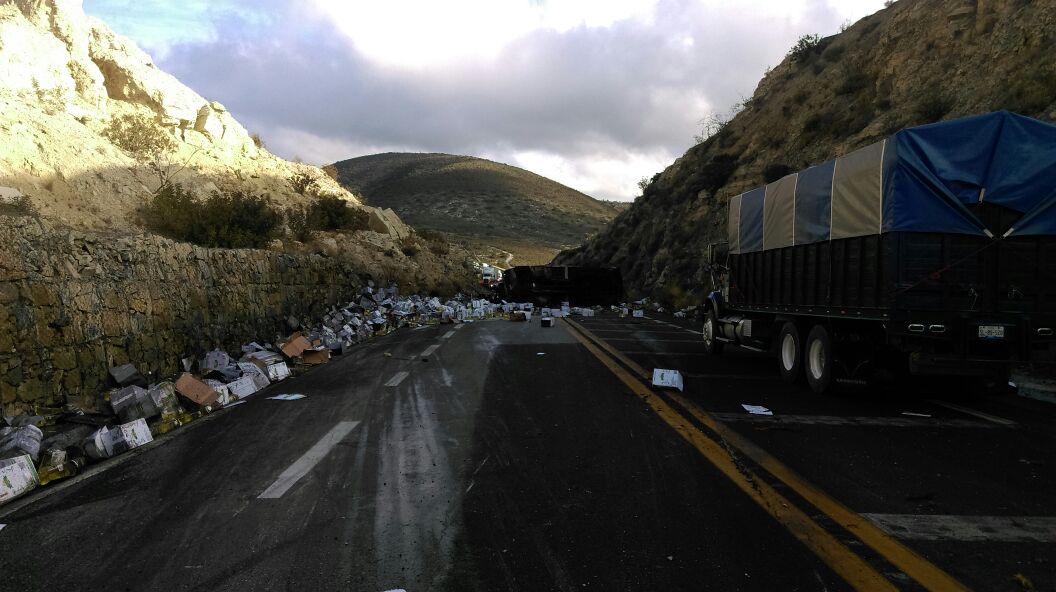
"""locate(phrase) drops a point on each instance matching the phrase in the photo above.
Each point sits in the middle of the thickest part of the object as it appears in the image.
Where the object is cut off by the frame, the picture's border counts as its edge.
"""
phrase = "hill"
(915, 62)
(485, 203)
(91, 129)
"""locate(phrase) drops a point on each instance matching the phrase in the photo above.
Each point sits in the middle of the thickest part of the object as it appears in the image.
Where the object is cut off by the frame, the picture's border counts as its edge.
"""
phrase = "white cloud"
(595, 94)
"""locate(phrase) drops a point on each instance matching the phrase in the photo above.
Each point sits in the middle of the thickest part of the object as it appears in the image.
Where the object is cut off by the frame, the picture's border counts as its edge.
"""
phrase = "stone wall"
(73, 303)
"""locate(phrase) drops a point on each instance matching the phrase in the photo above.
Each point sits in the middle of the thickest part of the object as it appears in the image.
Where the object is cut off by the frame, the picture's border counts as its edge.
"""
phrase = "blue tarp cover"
(932, 173)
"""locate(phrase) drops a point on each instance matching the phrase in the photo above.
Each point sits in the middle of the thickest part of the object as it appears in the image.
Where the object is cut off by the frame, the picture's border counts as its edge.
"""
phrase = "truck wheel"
(817, 361)
(790, 353)
(711, 328)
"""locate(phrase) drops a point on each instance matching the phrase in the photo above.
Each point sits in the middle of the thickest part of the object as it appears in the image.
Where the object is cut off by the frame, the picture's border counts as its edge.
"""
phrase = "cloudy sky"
(595, 94)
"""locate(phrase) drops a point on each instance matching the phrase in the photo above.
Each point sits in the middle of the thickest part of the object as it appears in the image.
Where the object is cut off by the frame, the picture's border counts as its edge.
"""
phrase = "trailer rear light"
(937, 328)
(1044, 332)
(915, 328)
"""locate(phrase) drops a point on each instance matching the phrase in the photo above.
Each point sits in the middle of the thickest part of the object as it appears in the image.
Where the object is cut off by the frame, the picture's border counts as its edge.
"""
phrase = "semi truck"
(932, 251)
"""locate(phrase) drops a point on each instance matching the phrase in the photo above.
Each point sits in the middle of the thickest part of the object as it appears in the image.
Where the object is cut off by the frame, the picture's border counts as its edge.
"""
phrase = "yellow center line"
(849, 566)
(912, 564)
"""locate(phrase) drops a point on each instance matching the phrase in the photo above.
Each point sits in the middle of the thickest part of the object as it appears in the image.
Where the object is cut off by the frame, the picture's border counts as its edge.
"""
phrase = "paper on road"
(756, 409)
(291, 397)
(668, 378)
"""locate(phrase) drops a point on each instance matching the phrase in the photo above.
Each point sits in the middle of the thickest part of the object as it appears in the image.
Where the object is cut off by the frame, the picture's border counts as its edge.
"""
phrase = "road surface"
(506, 456)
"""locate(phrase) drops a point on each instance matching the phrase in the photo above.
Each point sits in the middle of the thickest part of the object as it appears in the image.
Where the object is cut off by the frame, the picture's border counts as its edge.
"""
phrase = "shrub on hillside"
(410, 246)
(230, 220)
(436, 241)
(303, 182)
(139, 136)
(334, 213)
(806, 47)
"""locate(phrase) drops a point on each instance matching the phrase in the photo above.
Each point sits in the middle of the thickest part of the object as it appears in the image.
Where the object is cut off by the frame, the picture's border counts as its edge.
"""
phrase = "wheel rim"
(817, 359)
(788, 352)
(709, 330)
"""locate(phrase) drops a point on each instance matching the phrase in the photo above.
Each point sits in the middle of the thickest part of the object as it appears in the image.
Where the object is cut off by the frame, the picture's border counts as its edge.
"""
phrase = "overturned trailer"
(935, 246)
(552, 285)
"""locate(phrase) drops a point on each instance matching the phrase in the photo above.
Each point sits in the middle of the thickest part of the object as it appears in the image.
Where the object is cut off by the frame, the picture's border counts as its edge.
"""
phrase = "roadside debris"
(17, 477)
(136, 407)
(668, 378)
(756, 409)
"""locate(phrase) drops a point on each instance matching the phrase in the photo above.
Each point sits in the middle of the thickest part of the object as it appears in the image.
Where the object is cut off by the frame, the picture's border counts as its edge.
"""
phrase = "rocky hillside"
(915, 62)
(483, 202)
(91, 128)
(66, 77)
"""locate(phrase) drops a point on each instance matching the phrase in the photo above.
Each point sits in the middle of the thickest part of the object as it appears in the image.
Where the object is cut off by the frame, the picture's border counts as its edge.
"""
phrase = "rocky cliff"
(66, 77)
(915, 62)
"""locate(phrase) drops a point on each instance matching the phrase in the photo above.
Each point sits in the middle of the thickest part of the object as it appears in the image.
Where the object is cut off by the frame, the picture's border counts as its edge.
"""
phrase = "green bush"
(334, 213)
(303, 182)
(853, 82)
(326, 213)
(436, 241)
(932, 107)
(139, 136)
(806, 47)
(230, 220)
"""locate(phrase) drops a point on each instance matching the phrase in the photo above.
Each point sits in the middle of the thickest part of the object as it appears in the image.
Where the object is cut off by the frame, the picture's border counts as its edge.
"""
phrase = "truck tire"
(790, 353)
(818, 360)
(712, 346)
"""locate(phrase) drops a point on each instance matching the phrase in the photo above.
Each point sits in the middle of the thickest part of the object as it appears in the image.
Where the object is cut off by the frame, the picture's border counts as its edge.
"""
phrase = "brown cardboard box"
(295, 346)
(195, 390)
(313, 357)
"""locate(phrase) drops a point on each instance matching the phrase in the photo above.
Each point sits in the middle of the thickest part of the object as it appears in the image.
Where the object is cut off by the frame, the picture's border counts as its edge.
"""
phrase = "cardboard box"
(256, 373)
(638, 313)
(548, 322)
(195, 390)
(17, 477)
(296, 346)
(135, 433)
(243, 387)
(314, 357)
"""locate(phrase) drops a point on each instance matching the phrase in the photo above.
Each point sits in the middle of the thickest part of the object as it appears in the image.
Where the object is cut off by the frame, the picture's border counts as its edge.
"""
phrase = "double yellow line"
(719, 451)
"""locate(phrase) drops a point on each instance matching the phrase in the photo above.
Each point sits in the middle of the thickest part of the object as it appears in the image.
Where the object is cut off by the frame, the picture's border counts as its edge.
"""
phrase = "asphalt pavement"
(506, 456)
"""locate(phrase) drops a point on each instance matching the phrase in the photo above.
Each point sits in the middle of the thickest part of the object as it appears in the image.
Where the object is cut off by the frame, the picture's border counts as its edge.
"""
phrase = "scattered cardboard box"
(195, 390)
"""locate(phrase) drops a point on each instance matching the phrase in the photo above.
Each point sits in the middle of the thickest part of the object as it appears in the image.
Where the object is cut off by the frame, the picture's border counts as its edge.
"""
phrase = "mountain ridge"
(483, 202)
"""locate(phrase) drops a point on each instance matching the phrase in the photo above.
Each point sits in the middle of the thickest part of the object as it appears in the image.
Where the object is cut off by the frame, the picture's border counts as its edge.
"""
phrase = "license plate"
(991, 332)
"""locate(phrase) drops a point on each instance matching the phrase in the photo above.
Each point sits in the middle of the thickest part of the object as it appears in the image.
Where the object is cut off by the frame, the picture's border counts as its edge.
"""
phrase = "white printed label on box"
(17, 476)
(278, 371)
(638, 313)
(136, 433)
(243, 387)
(667, 378)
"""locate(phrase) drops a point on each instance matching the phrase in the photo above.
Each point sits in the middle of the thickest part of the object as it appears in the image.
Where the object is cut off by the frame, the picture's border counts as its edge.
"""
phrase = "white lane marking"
(973, 412)
(397, 379)
(1004, 529)
(2, 526)
(651, 340)
(834, 420)
(471, 484)
(430, 350)
(449, 334)
(301, 466)
(457, 327)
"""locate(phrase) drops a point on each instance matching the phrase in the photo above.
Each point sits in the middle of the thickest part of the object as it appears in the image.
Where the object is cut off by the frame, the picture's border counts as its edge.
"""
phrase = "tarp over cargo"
(921, 179)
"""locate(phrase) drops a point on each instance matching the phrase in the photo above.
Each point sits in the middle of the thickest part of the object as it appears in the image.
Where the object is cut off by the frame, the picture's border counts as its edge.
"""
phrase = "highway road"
(506, 456)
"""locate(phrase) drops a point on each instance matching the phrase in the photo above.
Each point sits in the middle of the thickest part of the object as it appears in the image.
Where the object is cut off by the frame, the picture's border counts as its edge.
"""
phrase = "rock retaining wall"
(74, 303)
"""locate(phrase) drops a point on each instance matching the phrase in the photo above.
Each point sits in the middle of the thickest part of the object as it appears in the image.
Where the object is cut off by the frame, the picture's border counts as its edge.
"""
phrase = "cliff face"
(64, 77)
(916, 62)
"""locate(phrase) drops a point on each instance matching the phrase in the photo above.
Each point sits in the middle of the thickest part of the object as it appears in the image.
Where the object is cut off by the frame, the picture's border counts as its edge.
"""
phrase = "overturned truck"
(932, 251)
(548, 285)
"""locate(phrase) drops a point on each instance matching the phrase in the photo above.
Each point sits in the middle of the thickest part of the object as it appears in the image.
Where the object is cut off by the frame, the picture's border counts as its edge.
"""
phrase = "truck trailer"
(932, 251)
(550, 285)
